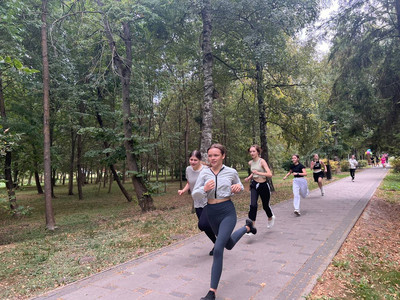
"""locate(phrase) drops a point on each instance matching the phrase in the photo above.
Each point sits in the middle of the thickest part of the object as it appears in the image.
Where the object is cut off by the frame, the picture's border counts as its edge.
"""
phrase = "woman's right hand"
(180, 192)
(209, 185)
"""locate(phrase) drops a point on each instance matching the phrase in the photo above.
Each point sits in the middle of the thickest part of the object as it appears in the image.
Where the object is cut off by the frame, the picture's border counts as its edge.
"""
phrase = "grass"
(372, 271)
(94, 234)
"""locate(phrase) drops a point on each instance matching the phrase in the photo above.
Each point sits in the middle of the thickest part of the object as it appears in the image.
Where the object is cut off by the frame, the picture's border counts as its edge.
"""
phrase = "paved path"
(283, 262)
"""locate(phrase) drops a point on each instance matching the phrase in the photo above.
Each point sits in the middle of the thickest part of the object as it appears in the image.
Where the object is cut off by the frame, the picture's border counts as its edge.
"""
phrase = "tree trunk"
(262, 117)
(397, 6)
(71, 164)
(112, 168)
(50, 222)
(206, 133)
(79, 178)
(124, 71)
(8, 158)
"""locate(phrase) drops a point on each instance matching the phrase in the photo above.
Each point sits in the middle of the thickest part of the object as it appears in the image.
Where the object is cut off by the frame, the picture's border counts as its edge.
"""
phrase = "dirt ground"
(377, 230)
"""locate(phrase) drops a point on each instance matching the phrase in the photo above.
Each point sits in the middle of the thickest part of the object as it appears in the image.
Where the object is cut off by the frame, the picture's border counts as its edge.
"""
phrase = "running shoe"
(297, 212)
(271, 222)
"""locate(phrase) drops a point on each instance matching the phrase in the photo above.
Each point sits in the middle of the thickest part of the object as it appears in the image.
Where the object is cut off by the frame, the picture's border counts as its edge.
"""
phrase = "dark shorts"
(318, 175)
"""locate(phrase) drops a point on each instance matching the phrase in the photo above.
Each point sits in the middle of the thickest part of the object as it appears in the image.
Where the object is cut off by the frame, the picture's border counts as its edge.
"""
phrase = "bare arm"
(184, 190)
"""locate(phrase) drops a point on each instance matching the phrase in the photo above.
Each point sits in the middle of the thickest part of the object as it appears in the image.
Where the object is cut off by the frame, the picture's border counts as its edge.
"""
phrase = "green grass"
(95, 233)
(368, 273)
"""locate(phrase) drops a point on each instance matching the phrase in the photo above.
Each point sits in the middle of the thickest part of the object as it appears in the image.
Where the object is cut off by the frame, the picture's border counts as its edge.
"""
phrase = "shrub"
(362, 163)
(344, 165)
(335, 167)
(395, 163)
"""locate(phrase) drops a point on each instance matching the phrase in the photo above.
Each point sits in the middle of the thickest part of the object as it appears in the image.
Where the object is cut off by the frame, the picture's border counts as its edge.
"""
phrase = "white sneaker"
(297, 212)
(249, 233)
(271, 222)
(322, 192)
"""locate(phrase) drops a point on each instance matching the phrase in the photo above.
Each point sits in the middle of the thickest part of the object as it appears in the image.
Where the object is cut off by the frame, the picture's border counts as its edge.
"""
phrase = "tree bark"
(112, 168)
(50, 222)
(262, 117)
(124, 69)
(8, 158)
(71, 164)
(206, 133)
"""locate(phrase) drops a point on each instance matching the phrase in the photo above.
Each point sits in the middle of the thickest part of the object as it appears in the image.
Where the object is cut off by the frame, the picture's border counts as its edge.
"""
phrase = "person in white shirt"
(353, 166)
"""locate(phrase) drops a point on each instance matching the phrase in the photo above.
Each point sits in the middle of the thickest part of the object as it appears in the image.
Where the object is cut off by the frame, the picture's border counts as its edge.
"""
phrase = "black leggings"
(203, 224)
(222, 218)
(352, 173)
(263, 191)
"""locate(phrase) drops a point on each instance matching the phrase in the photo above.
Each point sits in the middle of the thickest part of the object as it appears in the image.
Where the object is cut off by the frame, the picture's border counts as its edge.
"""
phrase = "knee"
(228, 246)
(218, 252)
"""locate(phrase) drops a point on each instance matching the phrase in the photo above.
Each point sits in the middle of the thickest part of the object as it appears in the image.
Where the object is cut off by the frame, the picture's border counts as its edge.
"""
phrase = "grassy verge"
(368, 265)
(95, 233)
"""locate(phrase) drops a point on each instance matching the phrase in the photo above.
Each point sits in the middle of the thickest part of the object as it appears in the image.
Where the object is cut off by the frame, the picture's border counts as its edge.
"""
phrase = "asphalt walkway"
(283, 262)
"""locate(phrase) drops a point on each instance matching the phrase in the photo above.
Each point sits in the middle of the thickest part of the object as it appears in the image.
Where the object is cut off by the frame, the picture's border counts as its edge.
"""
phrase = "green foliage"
(362, 163)
(344, 166)
(395, 163)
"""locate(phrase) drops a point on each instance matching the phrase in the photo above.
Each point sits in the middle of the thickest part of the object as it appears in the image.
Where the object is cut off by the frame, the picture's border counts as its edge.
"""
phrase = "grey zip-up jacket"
(223, 181)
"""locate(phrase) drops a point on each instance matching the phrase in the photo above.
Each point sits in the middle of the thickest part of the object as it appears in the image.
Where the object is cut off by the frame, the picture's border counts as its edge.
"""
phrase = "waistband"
(215, 201)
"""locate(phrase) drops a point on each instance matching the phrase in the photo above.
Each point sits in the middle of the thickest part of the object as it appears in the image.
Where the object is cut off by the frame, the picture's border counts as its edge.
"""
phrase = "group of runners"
(212, 186)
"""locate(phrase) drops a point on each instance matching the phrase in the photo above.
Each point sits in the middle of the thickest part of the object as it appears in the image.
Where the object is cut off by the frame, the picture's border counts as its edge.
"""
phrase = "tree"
(365, 96)
(124, 70)
(50, 221)
(206, 129)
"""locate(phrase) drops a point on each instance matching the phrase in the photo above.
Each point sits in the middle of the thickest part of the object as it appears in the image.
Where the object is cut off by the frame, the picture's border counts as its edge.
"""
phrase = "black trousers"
(262, 190)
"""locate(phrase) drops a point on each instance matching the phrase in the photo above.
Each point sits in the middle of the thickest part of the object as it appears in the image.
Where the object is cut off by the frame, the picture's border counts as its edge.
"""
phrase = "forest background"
(124, 90)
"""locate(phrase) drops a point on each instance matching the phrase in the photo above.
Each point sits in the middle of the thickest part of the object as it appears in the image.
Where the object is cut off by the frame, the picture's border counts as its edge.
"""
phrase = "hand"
(209, 185)
(255, 172)
(284, 178)
(180, 192)
(247, 179)
(236, 188)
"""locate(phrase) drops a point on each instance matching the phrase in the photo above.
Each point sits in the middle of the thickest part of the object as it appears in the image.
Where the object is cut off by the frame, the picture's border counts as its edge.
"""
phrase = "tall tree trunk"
(206, 132)
(124, 69)
(50, 221)
(112, 168)
(397, 6)
(8, 157)
(262, 117)
(79, 178)
(71, 164)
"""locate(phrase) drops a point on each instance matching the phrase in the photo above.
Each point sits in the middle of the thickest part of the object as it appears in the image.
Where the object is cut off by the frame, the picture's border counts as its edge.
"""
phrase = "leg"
(265, 195)
(296, 194)
(253, 201)
(204, 225)
(303, 187)
(225, 229)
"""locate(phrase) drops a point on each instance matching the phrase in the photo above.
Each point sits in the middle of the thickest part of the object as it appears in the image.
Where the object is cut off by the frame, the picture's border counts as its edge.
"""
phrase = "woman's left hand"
(236, 188)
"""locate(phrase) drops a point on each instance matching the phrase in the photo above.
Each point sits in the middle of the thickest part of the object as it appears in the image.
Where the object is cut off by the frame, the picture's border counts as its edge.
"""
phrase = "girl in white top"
(192, 173)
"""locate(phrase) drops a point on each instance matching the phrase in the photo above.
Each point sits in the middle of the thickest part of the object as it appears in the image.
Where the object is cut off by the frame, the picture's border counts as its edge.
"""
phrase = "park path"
(283, 262)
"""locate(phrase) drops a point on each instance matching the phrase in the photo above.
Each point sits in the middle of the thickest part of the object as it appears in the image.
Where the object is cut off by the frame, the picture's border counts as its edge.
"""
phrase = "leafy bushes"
(335, 167)
(395, 163)
(362, 163)
(344, 165)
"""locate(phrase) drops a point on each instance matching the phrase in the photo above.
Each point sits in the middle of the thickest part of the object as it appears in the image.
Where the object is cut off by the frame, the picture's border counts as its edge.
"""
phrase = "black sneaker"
(249, 223)
(210, 296)
(211, 252)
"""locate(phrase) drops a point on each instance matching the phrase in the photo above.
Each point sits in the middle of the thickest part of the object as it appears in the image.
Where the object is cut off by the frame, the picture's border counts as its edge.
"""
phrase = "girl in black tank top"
(318, 168)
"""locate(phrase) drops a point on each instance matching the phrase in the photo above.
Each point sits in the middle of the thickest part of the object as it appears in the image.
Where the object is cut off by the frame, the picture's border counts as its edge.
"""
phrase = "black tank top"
(317, 165)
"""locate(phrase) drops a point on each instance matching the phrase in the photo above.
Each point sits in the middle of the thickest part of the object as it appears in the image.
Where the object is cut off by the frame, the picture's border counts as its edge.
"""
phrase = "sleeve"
(198, 192)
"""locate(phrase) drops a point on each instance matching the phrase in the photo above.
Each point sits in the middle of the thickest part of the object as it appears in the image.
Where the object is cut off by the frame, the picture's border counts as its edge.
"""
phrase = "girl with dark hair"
(259, 185)
(218, 183)
(316, 167)
(300, 187)
(192, 173)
